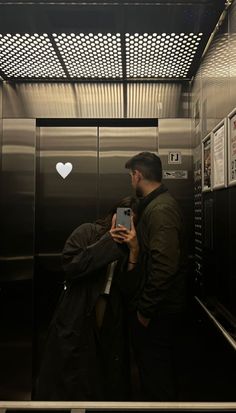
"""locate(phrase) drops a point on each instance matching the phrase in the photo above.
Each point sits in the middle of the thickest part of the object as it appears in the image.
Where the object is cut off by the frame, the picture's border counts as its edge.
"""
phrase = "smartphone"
(123, 217)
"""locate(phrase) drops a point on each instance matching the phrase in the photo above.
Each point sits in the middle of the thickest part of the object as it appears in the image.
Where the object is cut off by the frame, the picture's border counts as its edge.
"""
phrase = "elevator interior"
(92, 84)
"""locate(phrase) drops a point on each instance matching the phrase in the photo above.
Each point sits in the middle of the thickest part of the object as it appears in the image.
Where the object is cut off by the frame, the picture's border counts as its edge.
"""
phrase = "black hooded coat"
(81, 361)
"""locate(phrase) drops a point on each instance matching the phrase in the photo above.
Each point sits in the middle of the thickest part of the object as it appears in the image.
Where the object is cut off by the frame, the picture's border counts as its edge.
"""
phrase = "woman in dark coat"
(86, 354)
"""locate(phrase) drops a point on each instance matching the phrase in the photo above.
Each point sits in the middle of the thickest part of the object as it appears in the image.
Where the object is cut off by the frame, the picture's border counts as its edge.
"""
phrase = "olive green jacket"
(163, 259)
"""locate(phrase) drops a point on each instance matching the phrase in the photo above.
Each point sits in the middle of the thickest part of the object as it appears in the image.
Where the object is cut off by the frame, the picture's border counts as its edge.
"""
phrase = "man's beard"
(139, 192)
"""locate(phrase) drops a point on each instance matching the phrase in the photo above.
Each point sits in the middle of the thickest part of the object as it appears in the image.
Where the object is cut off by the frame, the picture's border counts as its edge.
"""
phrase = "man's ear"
(138, 175)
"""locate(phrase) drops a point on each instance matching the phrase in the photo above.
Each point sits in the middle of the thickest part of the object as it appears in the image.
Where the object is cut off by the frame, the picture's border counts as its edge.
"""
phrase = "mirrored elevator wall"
(213, 98)
(0, 122)
(28, 175)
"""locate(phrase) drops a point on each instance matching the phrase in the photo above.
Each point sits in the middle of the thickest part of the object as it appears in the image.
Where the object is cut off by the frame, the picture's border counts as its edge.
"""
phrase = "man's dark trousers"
(156, 350)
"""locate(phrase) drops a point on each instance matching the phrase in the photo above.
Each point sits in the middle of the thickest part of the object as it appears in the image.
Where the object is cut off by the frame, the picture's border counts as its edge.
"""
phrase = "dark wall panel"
(232, 249)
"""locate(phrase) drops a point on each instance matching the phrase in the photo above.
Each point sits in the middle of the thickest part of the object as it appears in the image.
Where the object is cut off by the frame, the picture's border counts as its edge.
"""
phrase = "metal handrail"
(80, 407)
(228, 337)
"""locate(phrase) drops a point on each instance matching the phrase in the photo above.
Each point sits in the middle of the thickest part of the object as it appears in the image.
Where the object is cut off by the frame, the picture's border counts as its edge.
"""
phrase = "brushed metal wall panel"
(175, 135)
(215, 80)
(116, 146)
(160, 100)
(208, 90)
(18, 191)
(232, 55)
(103, 100)
(38, 100)
(222, 72)
(214, 83)
(196, 130)
(16, 260)
(63, 100)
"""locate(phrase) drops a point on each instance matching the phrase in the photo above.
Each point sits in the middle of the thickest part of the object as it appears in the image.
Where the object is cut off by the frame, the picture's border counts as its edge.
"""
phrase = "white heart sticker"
(64, 169)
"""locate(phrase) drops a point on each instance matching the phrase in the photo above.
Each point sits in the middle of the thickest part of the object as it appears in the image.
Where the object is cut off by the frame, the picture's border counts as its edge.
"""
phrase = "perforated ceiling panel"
(97, 55)
(165, 55)
(91, 55)
(110, 40)
(30, 56)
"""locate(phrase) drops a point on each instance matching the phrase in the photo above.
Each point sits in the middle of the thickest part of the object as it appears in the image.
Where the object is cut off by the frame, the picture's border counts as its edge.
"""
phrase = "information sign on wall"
(174, 158)
(219, 155)
(206, 163)
(232, 147)
(175, 174)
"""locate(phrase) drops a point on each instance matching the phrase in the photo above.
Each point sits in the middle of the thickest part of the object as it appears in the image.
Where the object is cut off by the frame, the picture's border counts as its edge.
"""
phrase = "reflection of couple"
(120, 284)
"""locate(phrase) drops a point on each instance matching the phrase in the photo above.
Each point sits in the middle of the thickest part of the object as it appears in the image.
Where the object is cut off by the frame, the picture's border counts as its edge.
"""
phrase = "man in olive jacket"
(162, 263)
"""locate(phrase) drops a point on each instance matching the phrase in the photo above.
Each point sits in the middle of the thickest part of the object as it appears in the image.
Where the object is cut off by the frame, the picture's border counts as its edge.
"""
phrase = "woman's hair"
(128, 202)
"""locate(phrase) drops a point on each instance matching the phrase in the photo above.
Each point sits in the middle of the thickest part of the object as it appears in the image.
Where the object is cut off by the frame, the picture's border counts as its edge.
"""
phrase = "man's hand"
(143, 320)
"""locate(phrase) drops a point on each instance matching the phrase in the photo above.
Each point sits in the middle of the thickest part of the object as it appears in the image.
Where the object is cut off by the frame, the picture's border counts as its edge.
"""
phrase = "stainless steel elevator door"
(116, 146)
(64, 204)
(98, 179)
